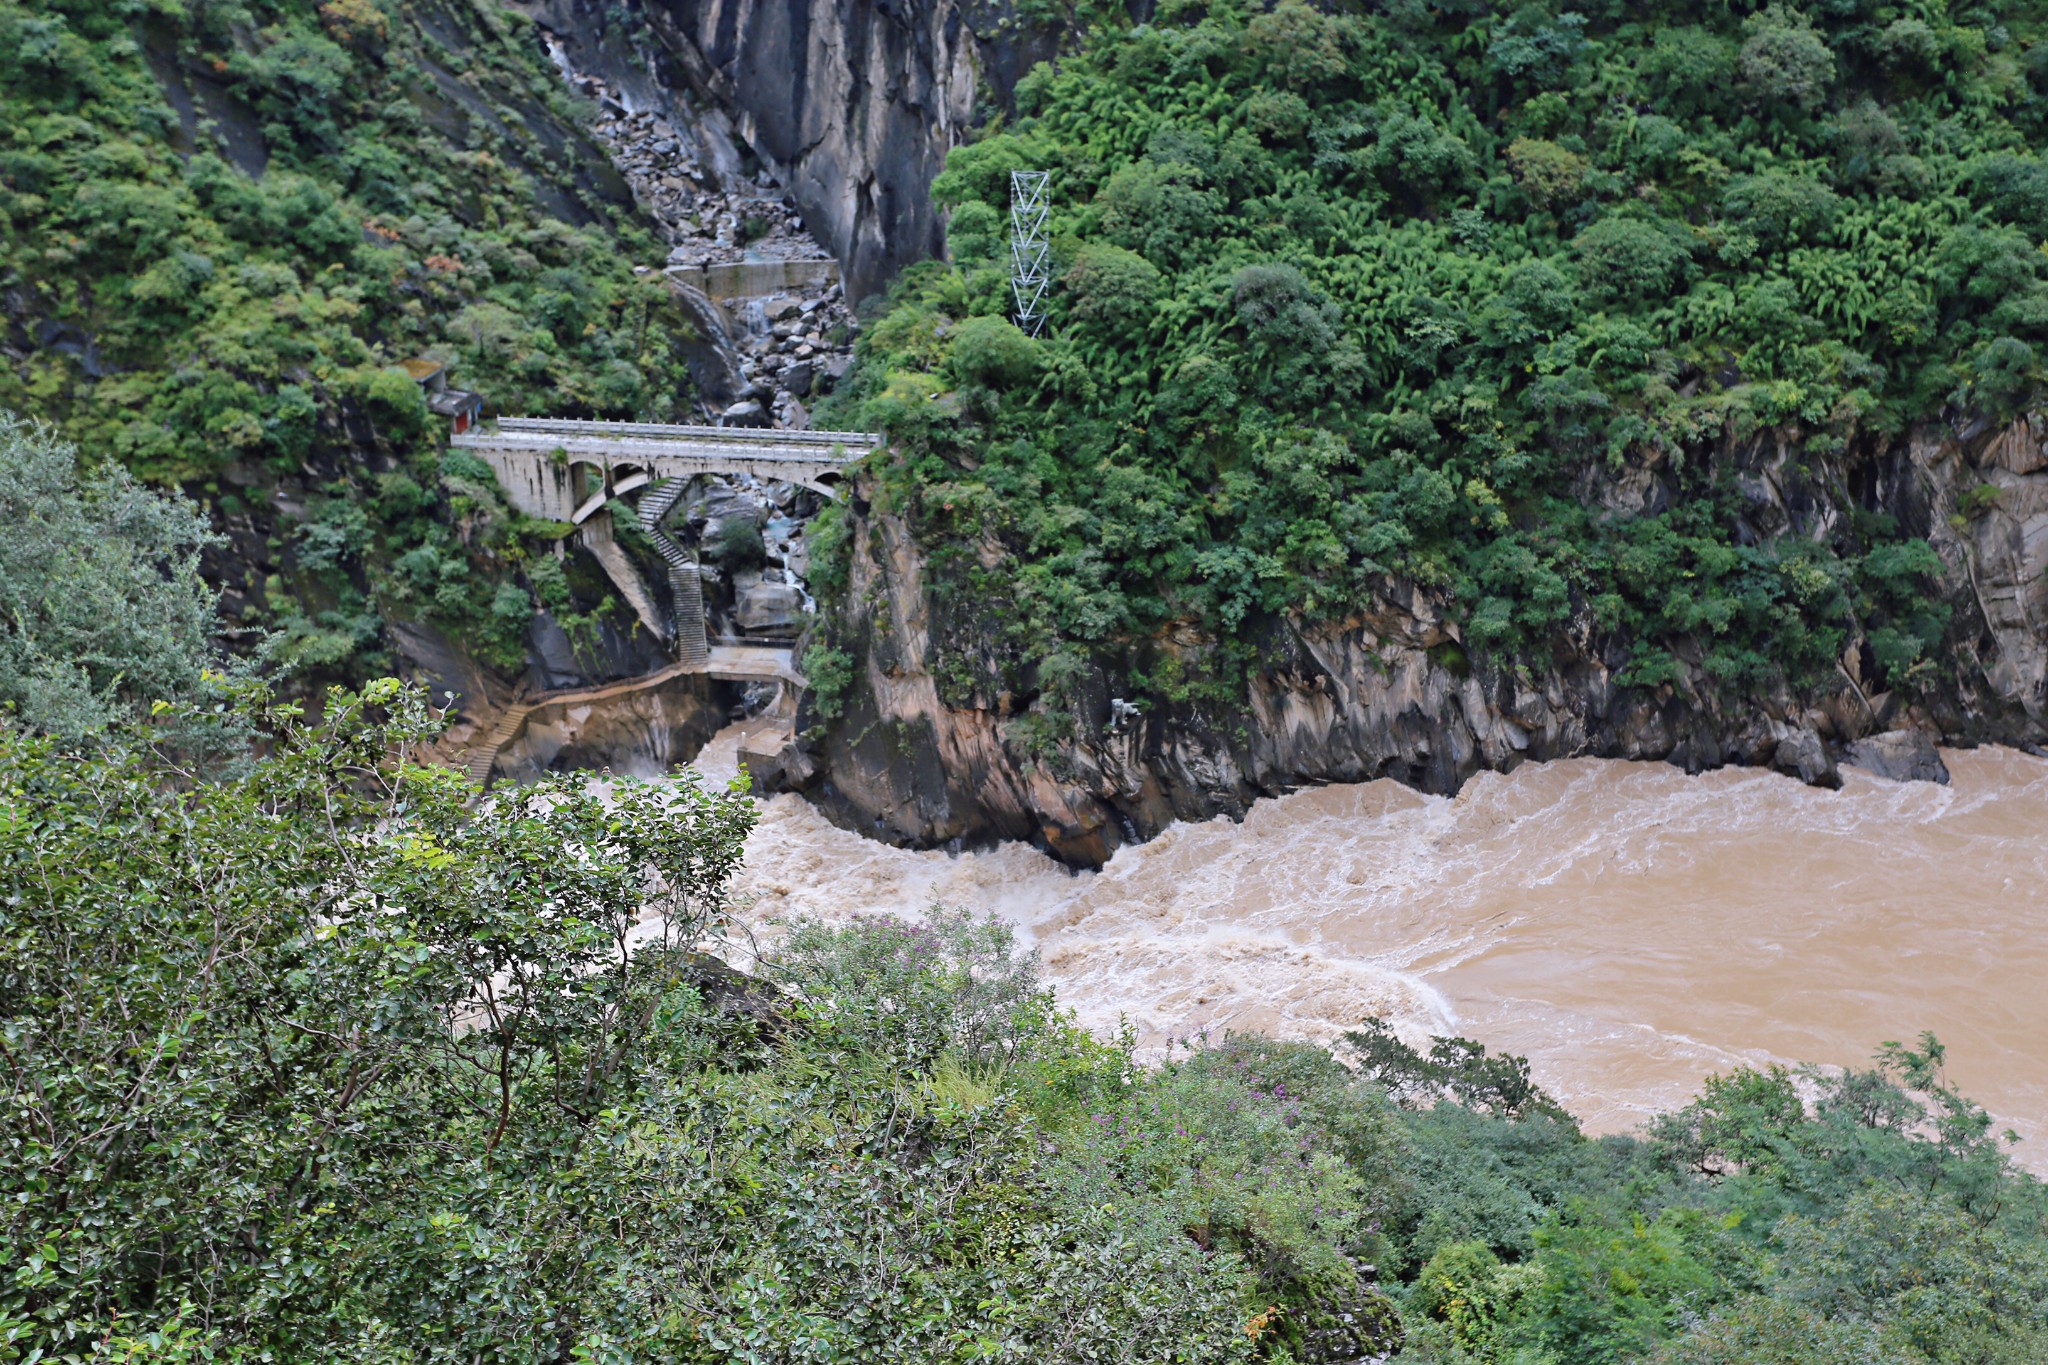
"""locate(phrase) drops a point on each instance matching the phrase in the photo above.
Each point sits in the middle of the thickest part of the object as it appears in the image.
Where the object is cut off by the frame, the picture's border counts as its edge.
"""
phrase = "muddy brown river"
(1630, 928)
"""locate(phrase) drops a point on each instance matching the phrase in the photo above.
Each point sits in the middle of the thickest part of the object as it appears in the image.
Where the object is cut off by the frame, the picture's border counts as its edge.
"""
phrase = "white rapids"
(1631, 929)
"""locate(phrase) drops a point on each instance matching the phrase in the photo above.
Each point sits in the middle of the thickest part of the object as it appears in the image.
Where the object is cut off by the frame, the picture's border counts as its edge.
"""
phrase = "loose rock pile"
(794, 348)
(750, 536)
(791, 345)
(711, 219)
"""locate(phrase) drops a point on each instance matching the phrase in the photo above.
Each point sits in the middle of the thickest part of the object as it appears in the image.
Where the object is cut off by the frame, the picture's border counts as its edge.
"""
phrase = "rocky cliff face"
(1390, 693)
(642, 733)
(851, 105)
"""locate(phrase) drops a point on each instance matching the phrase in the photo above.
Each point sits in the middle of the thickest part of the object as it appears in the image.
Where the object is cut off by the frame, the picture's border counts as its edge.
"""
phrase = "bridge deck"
(857, 442)
(565, 469)
(723, 445)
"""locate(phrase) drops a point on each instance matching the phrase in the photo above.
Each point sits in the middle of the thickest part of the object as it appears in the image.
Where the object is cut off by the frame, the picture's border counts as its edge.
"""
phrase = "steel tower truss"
(1030, 252)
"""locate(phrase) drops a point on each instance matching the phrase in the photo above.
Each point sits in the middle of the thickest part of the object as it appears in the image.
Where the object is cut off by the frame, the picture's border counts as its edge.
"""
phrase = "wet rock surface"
(1900, 755)
(749, 535)
(1361, 1327)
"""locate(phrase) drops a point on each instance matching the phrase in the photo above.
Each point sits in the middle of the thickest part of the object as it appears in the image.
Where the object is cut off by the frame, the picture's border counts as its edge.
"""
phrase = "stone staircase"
(483, 757)
(686, 587)
(688, 591)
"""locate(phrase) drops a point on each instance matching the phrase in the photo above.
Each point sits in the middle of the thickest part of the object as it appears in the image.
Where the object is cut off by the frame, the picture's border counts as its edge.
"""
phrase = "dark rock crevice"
(851, 107)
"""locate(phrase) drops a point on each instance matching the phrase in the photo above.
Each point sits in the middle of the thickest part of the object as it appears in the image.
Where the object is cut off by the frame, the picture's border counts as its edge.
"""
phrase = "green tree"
(331, 1060)
(102, 607)
(268, 1041)
(1783, 60)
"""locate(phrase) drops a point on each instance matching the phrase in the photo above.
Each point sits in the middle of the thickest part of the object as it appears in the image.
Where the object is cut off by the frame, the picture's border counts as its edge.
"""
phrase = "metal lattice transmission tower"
(1030, 252)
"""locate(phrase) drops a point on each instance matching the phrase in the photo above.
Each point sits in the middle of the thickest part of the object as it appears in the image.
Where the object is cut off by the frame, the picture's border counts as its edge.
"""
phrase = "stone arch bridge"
(566, 470)
(561, 469)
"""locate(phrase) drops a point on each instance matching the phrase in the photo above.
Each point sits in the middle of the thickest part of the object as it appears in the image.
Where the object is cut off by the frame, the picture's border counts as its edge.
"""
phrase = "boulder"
(748, 413)
(1352, 1327)
(725, 503)
(1799, 753)
(1899, 756)
(451, 677)
(764, 763)
(550, 656)
(770, 608)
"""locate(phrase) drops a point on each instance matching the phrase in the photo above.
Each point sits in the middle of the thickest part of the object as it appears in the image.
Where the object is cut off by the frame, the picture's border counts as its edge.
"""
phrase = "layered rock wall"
(1391, 693)
(643, 733)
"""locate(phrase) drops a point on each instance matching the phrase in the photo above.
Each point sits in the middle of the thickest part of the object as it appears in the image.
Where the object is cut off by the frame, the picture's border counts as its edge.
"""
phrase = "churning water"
(1628, 927)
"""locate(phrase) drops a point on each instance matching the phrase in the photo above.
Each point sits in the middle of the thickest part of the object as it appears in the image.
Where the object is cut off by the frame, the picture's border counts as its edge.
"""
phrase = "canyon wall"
(851, 107)
(1392, 692)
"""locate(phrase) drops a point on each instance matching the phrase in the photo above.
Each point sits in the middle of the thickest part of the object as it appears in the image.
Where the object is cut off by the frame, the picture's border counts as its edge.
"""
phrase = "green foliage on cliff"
(329, 1062)
(223, 225)
(1520, 302)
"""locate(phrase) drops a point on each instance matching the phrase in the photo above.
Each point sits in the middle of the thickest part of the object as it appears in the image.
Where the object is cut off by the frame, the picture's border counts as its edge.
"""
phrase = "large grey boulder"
(1799, 753)
(1899, 755)
(770, 609)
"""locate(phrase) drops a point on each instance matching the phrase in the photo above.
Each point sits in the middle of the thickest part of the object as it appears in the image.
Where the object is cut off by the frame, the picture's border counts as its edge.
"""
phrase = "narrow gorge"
(1250, 682)
(780, 128)
(921, 744)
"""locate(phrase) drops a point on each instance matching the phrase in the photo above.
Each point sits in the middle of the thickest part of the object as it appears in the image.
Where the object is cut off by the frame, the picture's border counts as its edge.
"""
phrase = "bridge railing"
(859, 441)
(599, 448)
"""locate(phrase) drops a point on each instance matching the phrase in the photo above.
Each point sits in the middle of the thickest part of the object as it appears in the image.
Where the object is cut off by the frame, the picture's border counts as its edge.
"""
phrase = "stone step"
(484, 756)
(688, 591)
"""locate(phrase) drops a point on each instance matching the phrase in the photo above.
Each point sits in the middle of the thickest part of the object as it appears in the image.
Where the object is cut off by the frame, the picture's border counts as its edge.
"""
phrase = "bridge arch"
(829, 483)
(552, 468)
(590, 485)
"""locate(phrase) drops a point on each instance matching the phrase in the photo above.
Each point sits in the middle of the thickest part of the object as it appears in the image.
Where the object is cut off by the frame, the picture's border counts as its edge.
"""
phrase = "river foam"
(1628, 927)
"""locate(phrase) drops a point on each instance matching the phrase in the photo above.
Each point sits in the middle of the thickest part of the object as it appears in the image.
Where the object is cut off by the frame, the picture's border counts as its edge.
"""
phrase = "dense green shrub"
(992, 352)
(445, 1084)
(829, 672)
(914, 992)
(1345, 294)
(102, 608)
